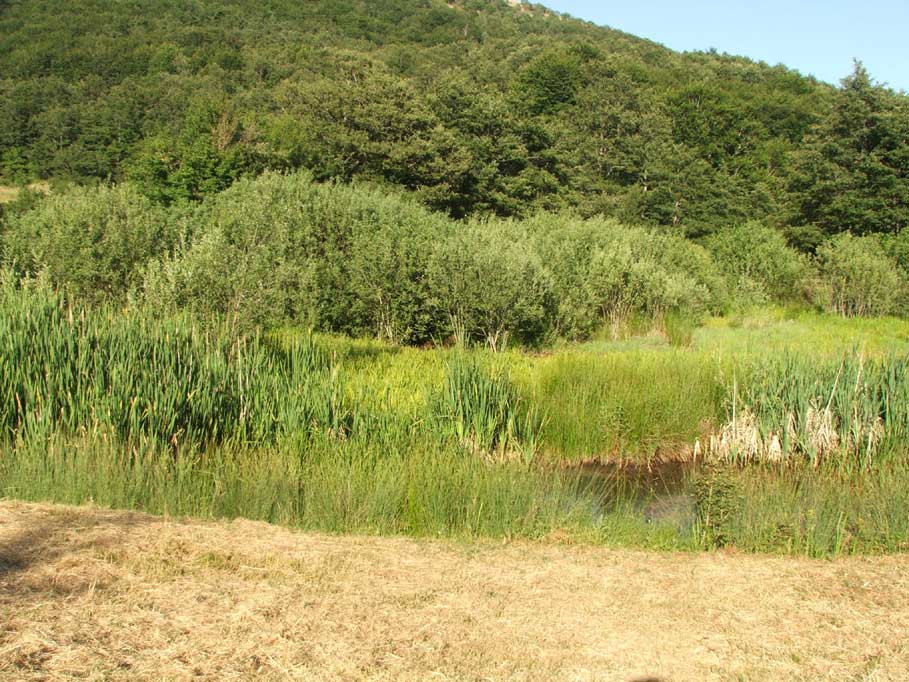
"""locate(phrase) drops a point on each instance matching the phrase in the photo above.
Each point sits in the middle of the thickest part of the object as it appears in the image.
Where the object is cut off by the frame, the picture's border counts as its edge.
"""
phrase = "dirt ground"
(90, 594)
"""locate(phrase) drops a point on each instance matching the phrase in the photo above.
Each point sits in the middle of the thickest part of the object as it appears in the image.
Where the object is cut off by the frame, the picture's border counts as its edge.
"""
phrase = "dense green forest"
(478, 107)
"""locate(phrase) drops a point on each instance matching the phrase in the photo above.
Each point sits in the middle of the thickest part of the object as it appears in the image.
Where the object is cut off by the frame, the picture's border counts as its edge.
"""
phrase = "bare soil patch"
(101, 595)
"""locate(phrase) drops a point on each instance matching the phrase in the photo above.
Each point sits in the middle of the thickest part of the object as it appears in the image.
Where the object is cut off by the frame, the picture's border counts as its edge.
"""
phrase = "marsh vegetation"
(424, 277)
(125, 409)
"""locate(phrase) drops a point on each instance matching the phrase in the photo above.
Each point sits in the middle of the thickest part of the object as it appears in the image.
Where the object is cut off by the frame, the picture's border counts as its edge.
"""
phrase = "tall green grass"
(420, 488)
(850, 413)
(128, 409)
(817, 512)
(416, 487)
(480, 408)
(626, 405)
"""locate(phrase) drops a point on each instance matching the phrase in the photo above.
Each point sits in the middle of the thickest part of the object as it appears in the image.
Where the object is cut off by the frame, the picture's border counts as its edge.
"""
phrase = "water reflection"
(660, 492)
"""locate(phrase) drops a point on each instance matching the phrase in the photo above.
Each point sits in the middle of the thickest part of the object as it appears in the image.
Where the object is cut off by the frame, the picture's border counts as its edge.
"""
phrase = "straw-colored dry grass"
(101, 595)
(9, 193)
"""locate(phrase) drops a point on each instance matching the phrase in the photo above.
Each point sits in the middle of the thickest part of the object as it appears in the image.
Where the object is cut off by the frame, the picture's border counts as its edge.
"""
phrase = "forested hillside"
(476, 106)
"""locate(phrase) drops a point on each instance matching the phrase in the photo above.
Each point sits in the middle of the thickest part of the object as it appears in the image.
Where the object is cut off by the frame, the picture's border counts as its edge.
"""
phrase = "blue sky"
(817, 38)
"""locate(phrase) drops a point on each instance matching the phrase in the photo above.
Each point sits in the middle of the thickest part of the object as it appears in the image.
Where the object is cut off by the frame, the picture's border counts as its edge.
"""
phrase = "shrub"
(492, 286)
(857, 276)
(283, 248)
(92, 242)
(246, 258)
(26, 199)
(621, 283)
(758, 263)
(606, 272)
(380, 265)
(897, 247)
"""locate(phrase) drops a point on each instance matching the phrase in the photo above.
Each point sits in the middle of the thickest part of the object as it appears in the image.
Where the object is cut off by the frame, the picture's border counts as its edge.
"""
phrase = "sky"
(816, 38)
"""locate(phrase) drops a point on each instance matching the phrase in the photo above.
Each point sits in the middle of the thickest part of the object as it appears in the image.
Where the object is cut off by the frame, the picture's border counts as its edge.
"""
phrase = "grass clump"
(853, 413)
(820, 512)
(481, 409)
(628, 405)
(357, 485)
(717, 499)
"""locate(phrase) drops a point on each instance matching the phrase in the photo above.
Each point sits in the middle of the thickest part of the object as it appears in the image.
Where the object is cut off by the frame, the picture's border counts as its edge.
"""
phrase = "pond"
(661, 492)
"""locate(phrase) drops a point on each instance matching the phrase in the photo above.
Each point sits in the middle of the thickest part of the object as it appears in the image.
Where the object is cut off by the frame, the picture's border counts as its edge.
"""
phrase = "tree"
(853, 172)
(548, 82)
(209, 154)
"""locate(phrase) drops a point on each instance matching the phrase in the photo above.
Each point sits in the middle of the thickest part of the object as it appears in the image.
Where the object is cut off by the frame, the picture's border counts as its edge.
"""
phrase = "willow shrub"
(758, 264)
(283, 248)
(93, 242)
(605, 272)
(858, 277)
(492, 286)
(896, 246)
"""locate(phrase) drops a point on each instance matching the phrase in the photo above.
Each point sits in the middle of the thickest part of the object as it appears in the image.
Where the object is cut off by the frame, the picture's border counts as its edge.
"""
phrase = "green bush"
(246, 258)
(282, 248)
(897, 247)
(376, 279)
(26, 199)
(492, 286)
(857, 277)
(758, 264)
(605, 272)
(92, 242)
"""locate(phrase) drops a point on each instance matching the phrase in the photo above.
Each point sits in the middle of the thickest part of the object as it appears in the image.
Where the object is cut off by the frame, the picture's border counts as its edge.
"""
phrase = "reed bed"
(852, 412)
(129, 409)
(162, 380)
(481, 409)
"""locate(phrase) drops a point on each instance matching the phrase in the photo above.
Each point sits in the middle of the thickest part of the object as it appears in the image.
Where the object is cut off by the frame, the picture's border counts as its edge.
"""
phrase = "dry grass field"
(90, 594)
